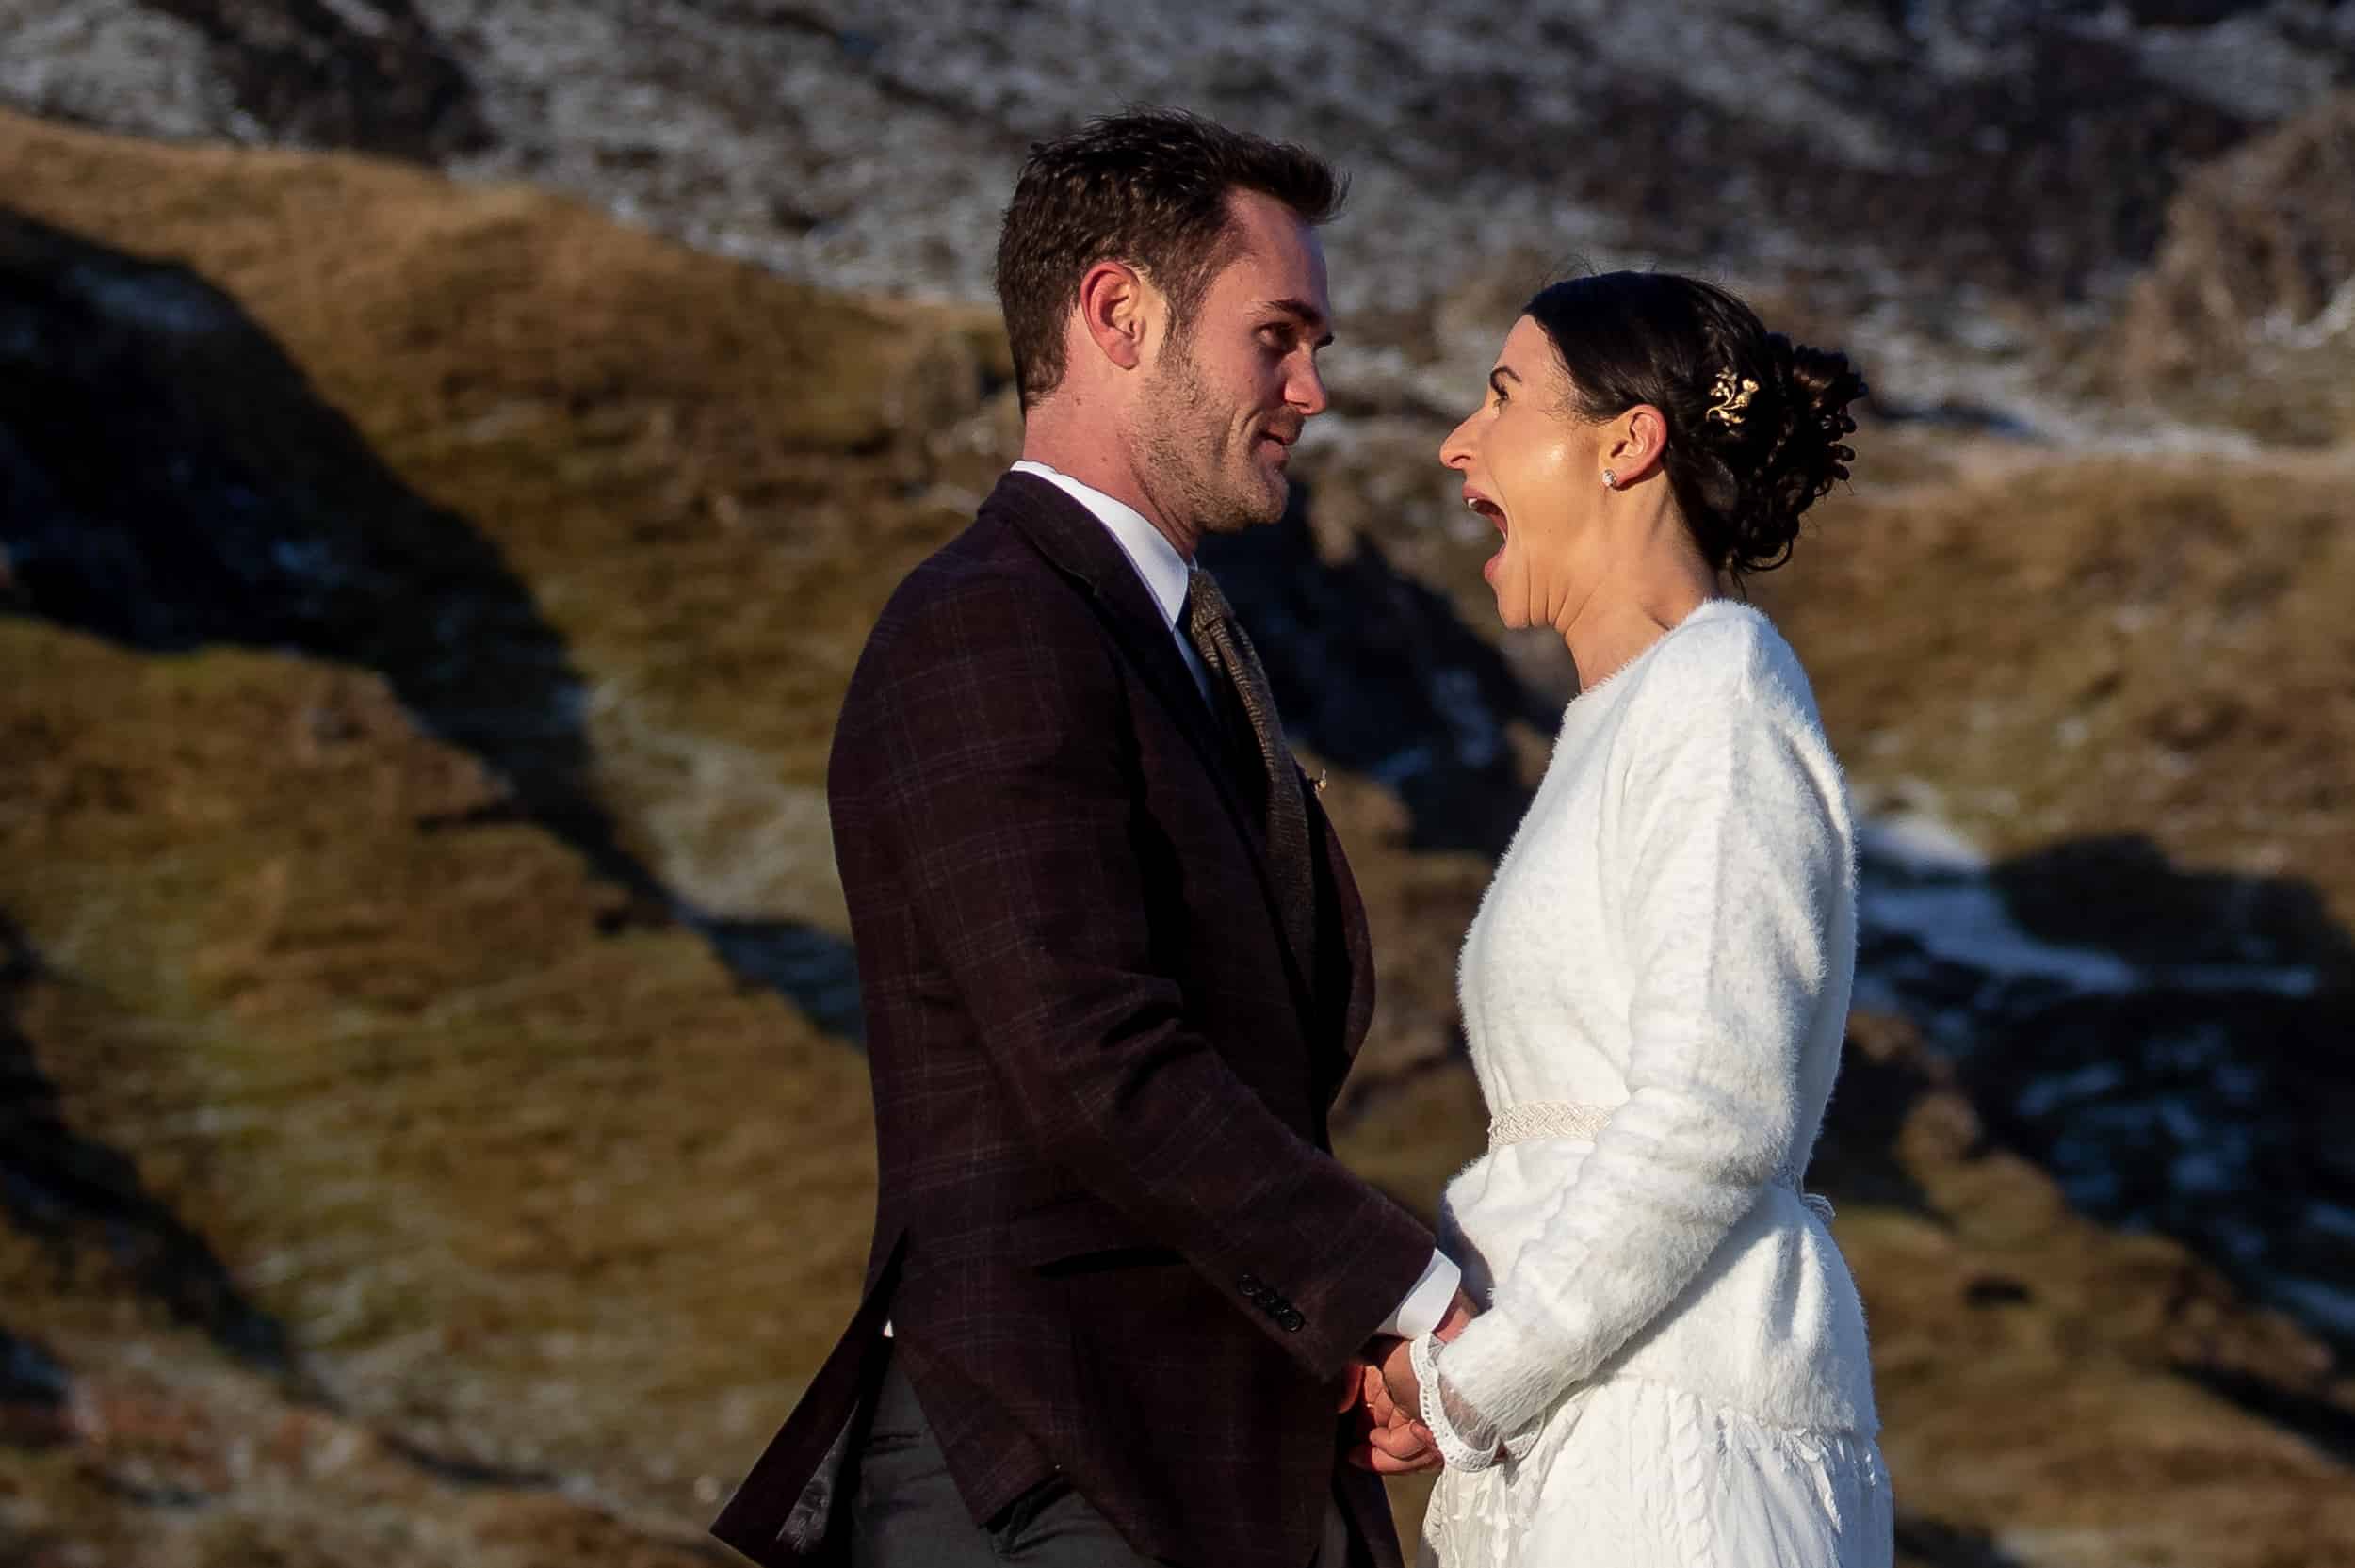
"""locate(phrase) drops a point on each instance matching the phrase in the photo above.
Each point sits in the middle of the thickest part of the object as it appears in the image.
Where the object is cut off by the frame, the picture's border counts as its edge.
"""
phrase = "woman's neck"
(1615, 627)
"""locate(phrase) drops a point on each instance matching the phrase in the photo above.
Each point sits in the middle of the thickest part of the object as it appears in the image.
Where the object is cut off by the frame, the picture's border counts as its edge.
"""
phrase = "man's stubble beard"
(1187, 447)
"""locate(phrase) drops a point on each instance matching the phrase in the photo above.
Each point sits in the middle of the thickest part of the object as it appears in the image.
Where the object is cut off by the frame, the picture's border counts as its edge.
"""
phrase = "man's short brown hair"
(1150, 189)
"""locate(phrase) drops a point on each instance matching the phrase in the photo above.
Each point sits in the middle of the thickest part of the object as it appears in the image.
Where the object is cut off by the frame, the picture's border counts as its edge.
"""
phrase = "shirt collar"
(1160, 566)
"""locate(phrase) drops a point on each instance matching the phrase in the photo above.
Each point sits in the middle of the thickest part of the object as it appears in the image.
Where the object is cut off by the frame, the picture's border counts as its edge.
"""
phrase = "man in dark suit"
(1113, 964)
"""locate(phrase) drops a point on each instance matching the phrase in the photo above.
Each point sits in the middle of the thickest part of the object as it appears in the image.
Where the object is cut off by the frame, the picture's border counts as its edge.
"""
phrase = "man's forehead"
(1280, 260)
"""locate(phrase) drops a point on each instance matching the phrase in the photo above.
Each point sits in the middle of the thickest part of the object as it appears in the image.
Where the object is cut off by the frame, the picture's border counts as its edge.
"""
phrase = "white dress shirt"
(1164, 572)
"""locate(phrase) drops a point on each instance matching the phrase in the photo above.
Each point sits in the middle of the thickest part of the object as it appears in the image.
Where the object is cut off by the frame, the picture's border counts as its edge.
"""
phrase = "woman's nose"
(1456, 450)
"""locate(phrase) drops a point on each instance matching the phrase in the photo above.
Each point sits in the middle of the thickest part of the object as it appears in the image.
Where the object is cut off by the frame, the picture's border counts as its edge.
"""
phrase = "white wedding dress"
(1672, 1356)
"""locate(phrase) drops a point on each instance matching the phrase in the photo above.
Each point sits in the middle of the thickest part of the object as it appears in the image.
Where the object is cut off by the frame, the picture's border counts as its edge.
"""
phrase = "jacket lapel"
(1068, 535)
(1357, 936)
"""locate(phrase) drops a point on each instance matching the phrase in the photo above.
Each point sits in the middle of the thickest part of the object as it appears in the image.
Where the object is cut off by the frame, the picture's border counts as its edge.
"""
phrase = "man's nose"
(1306, 391)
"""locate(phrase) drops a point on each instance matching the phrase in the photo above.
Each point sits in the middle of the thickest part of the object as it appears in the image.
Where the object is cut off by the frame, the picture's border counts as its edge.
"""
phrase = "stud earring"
(1610, 480)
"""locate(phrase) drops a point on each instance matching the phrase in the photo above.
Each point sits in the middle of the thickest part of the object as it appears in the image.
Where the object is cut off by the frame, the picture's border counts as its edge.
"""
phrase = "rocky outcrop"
(371, 76)
(2247, 312)
(1952, 171)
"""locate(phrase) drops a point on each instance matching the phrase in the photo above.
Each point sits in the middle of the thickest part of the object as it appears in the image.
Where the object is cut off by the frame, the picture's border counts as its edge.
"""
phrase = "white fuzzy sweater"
(1672, 934)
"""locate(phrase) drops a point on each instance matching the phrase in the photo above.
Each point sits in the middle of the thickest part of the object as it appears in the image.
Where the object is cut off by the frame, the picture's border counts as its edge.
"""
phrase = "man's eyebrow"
(1309, 314)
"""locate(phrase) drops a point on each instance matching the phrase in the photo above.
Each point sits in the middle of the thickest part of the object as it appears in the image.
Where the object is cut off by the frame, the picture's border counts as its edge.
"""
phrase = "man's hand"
(1392, 1438)
(1398, 1366)
(1390, 1441)
(1352, 1388)
(1400, 1387)
(1460, 1312)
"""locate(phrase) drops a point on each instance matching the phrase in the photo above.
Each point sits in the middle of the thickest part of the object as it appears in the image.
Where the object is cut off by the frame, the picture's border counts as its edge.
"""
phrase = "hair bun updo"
(1757, 423)
(1801, 451)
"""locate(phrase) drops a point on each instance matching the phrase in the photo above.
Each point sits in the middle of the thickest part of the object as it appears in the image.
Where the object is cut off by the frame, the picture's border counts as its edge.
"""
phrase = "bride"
(1671, 1369)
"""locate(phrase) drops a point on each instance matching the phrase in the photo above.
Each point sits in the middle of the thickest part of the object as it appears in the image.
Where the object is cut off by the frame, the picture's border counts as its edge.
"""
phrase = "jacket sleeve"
(1731, 864)
(1008, 779)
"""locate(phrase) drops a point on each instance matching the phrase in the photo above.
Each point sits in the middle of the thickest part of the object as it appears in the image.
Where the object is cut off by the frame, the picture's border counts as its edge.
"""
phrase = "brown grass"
(527, 1183)
(708, 476)
(2093, 647)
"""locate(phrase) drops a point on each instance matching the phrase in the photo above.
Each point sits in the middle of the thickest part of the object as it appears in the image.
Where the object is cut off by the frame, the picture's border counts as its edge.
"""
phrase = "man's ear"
(1117, 310)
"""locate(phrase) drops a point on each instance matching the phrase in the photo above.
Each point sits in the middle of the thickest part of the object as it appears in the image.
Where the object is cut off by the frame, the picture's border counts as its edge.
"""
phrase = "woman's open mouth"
(1494, 513)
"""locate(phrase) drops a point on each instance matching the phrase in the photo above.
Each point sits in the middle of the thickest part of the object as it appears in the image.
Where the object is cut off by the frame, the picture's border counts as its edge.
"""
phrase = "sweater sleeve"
(1729, 869)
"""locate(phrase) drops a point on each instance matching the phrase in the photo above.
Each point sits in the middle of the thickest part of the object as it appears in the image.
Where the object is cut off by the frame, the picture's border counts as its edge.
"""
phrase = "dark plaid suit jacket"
(1109, 1236)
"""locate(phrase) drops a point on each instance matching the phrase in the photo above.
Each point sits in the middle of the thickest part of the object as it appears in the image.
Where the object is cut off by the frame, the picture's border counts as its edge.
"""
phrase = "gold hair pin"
(1730, 403)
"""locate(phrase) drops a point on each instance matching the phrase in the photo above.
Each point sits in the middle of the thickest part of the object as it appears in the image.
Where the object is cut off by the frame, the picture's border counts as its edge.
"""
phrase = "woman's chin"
(1504, 613)
(1492, 571)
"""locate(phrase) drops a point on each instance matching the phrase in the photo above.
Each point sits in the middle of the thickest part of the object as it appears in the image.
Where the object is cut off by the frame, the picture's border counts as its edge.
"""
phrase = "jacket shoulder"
(986, 584)
(986, 623)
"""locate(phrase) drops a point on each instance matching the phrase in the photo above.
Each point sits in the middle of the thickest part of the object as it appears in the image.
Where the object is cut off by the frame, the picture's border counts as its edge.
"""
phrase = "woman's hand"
(1469, 1433)
(1398, 1366)
(1399, 1385)
(1391, 1441)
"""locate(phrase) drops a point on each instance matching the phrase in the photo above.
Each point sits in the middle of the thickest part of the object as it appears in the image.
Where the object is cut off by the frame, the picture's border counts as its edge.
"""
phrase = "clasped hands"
(1385, 1398)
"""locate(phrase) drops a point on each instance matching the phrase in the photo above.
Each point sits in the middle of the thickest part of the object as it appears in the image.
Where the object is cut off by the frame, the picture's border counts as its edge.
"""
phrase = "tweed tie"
(1227, 654)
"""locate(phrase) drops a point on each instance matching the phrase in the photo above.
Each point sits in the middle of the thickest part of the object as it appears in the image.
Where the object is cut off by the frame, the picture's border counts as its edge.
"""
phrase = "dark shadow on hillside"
(466, 1472)
(2171, 1044)
(1886, 1072)
(1939, 1544)
(368, 74)
(169, 478)
(1374, 672)
(34, 1389)
(75, 1192)
(2327, 1426)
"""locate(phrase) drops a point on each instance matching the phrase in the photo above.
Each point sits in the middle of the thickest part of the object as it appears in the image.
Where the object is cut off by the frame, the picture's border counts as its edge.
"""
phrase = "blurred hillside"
(1968, 187)
(434, 1129)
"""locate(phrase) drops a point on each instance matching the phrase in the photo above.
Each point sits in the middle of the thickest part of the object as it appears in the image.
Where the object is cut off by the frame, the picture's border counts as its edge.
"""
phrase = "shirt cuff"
(1424, 1305)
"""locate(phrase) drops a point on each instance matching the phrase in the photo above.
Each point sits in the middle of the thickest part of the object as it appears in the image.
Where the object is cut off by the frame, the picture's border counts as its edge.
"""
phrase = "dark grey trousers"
(906, 1511)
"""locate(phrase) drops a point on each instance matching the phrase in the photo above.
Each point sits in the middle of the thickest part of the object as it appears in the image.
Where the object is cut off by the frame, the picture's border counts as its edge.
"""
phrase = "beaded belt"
(1566, 1119)
(1547, 1119)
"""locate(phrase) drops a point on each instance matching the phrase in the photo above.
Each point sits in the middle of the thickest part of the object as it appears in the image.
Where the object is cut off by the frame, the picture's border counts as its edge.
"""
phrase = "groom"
(1113, 964)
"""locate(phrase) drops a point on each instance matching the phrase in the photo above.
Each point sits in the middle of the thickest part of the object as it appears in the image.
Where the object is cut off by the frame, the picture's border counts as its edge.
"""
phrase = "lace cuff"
(1467, 1440)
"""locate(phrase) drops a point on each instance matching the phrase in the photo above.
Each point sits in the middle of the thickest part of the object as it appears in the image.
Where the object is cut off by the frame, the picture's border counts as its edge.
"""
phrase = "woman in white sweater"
(1671, 1367)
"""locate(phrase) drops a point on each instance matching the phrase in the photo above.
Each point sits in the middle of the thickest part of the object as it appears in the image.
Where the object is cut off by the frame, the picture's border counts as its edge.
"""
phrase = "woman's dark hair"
(1149, 188)
(1742, 476)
